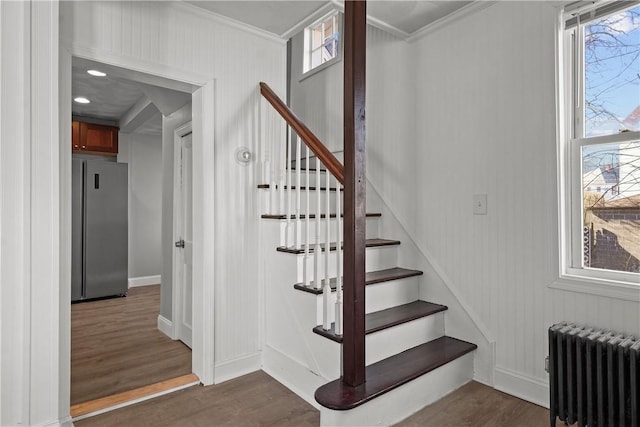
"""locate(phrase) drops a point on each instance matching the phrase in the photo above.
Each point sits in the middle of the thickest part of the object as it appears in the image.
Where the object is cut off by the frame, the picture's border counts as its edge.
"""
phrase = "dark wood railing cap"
(327, 158)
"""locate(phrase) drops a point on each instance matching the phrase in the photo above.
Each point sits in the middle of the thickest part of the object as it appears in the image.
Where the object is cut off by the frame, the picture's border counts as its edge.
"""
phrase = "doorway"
(203, 347)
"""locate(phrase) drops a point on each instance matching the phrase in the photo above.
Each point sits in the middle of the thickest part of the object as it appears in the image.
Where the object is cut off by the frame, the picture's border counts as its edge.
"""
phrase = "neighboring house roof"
(626, 202)
(633, 119)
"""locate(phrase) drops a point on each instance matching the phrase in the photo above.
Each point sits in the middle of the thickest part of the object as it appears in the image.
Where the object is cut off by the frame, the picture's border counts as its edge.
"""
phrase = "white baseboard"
(292, 374)
(231, 369)
(530, 389)
(166, 327)
(134, 282)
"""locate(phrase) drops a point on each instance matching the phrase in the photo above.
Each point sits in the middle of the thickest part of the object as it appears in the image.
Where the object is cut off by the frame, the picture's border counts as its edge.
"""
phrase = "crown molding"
(470, 9)
(314, 16)
(234, 23)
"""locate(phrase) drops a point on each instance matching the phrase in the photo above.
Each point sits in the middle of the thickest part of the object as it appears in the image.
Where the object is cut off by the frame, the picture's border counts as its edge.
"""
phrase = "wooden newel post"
(353, 347)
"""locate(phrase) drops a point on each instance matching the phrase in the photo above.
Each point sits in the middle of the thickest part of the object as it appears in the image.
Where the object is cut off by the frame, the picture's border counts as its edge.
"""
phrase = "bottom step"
(387, 374)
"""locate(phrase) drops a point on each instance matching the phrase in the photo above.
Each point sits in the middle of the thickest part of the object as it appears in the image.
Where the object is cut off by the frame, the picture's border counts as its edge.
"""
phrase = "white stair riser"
(385, 295)
(379, 258)
(278, 206)
(379, 296)
(371, 229)
(397, 404)
(391, 341)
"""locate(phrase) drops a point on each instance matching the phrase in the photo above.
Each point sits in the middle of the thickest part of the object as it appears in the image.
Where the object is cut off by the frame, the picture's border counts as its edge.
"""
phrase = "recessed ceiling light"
(96, 73)
(81, 100)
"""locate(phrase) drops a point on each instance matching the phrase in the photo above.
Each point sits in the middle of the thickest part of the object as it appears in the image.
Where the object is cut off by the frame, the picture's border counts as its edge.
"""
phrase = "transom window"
(322, 42)
(601, 78)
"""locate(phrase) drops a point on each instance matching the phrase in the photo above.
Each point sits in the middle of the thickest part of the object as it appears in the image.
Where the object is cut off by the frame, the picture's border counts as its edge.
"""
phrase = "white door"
(184, 240)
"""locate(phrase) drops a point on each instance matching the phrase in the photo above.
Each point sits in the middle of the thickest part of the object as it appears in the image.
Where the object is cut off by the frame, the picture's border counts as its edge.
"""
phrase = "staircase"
(410, 362)
(340, 312)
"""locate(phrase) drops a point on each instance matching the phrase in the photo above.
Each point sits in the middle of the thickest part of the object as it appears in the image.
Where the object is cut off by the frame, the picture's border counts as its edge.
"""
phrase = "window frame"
(307, 70)
(570, 106)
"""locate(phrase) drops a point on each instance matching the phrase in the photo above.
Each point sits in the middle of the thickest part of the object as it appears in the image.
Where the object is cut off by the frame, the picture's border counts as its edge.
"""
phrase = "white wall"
(143, 154)
(486, 125)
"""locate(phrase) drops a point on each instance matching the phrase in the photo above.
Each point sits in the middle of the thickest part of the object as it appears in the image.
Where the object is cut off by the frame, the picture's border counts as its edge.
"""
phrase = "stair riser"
(277, 206)
(405, 400)
(378, 297)
(386, 343)
(292, 226)
(379, 258)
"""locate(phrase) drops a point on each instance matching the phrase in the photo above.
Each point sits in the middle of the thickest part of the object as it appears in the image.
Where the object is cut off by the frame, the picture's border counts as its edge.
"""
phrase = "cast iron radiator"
(594, 377)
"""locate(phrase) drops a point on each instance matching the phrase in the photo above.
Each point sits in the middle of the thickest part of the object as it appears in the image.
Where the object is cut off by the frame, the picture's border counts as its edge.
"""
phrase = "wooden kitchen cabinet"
(92, 138)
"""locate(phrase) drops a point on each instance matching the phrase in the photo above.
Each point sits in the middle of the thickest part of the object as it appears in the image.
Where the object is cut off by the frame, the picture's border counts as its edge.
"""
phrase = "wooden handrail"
(327, 158)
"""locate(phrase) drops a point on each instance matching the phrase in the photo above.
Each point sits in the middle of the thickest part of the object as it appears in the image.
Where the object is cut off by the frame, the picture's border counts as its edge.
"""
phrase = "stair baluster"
(307, 223)
(339, 302)
(317, 250)
(326, 321)
(298, 241)
(289, 227)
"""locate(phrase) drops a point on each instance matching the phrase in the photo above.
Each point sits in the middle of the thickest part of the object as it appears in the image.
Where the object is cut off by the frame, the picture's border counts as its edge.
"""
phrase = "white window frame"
(570, 90)
(308, 46)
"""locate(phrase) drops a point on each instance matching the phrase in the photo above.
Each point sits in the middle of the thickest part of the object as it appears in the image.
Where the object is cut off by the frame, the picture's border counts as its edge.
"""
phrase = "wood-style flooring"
(257, 399)
(116, 346)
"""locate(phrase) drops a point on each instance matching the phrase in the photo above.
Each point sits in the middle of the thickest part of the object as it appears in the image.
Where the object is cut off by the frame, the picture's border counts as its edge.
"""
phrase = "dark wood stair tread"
(370, 243)
(302, 187)
(390, 373)
(333, 215)
(383, 319)
(370, 278)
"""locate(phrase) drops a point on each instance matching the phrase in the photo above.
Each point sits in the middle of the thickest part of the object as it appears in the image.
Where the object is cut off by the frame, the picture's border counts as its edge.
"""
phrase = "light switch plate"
(479, 204)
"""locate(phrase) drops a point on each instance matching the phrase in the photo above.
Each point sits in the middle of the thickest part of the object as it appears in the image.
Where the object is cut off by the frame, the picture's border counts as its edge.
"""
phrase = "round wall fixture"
(243, 156)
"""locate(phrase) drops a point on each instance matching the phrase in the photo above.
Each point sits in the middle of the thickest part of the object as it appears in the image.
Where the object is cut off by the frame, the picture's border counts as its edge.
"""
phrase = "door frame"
(203, 362)
(176, 292)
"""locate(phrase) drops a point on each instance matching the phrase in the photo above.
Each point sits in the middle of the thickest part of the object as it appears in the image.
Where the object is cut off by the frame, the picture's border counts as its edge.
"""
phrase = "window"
(600, 154)
(322, 42)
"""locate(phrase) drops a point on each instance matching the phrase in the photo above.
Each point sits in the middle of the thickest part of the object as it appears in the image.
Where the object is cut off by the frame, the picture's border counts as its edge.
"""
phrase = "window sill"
(598, 286)
(321, 67)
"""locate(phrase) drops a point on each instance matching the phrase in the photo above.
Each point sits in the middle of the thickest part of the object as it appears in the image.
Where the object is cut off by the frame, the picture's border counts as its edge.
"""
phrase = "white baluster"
(307, 221)
(327, 253)
(289, 228)
(298, 193)
(273, 169)
(317, 248)
(282, 168)
(339, 303)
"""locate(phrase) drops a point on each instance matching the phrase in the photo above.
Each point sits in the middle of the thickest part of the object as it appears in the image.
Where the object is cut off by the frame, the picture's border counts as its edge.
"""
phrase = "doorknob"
(180, 244)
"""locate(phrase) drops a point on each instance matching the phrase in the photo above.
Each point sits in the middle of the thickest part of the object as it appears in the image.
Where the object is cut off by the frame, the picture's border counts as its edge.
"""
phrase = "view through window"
(322, 42)
(607, 140)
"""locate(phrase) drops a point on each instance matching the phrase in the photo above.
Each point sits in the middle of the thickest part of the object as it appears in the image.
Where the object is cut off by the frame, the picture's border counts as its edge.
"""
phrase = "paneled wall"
(157, 35)
(485, 124)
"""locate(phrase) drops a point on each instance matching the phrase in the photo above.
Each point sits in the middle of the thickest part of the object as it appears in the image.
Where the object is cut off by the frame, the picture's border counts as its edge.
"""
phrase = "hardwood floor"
(257, 399)
(116, 346)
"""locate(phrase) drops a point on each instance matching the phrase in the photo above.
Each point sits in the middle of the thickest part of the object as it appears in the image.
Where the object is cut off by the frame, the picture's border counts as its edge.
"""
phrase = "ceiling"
(124, 98)
(135, 102)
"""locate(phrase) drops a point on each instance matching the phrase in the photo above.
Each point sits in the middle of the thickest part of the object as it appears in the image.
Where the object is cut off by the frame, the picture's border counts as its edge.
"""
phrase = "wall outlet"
(479, 204)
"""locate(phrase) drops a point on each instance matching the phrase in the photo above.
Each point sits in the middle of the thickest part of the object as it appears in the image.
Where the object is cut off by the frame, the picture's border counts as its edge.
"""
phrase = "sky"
(612, 70)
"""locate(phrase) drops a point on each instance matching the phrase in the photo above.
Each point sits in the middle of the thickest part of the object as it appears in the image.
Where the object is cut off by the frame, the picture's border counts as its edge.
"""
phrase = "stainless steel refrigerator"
(99, 229)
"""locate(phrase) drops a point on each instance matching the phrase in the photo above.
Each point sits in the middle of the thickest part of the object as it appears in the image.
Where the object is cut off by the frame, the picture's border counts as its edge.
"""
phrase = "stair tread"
(370, 243)
(371, 277)
(383, 319)
(333, 215)
(392, 372)
(302, 187)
